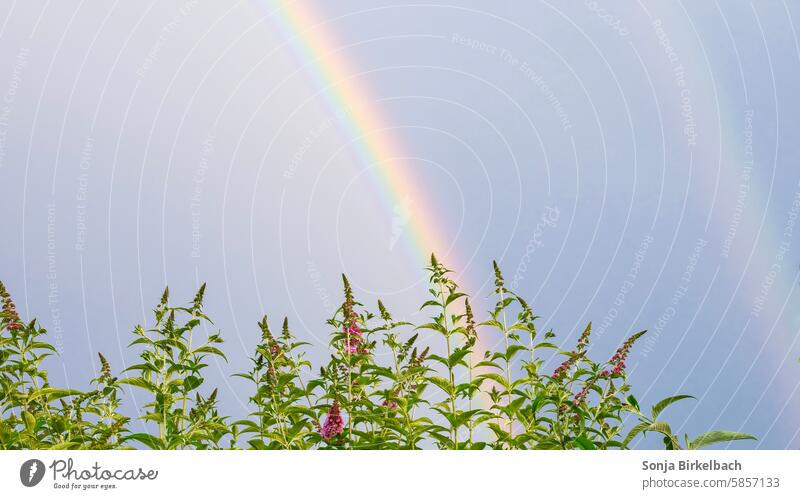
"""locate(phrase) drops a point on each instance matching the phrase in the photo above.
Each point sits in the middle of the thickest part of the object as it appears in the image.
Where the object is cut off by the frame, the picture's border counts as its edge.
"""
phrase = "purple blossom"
(566, 365)
(334, 424)
(353, 340)
(617, 361)
(10, 309)
(581, 396)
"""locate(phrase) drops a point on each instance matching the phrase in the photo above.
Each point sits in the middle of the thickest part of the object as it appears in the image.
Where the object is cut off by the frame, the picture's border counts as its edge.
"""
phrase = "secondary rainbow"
(774, 317)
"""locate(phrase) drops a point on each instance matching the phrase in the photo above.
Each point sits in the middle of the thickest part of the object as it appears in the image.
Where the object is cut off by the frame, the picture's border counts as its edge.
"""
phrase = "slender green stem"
(279, 419)
(453, 430)
(508, 368)
(471, 422)
(186, 395)
(532, 380)
(349, 391)
(259, 404)
(404, 406)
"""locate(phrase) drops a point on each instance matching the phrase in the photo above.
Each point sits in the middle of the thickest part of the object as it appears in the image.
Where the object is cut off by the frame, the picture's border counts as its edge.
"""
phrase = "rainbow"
(376, 147)
(750, 265)
(350, 100)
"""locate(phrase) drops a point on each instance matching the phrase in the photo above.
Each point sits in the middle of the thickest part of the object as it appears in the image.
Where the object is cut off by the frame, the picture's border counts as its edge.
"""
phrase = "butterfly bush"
(432, 386)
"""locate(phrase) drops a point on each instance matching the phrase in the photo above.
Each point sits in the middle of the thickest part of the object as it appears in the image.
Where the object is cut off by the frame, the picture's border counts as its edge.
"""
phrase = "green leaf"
(52, 393)
(496, 378)
(433, 326)
(636, 430)
(192, 382)
(149, 440)
(457, 356)
(453, 297)
(257, 444)
(430, 303)
(64, 446)
(141, 367)
(513, 350)
(41, 345)
(584, 443)
(659, 407)
(713, 437)
(492, 323)
(660, 427)
(139, 382)
(442, 383)
(487, 363)
(30, 421)
(210, 350)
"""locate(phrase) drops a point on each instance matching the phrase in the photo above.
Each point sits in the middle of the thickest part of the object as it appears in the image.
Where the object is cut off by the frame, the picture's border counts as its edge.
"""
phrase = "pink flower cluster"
(274, 350)
(581, 396)
(617, 361)
(390, 403)
(334, 424)
(10, 309)
(618, 367)
(566, 365)
(353, 341)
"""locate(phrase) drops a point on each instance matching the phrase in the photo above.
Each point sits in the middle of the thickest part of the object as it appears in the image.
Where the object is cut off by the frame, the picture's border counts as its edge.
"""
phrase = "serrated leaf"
(584, 443)
(150, 441)
(636, 430)
(713, 437)
(30, 421)
(52, 393)
(659, 407)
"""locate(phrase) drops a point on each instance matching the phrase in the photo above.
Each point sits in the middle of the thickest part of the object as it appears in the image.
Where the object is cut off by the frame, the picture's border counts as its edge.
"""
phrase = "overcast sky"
(633, 166)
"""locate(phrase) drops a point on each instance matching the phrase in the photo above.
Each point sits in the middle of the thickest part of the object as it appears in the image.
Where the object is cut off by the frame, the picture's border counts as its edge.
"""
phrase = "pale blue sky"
(146, 143)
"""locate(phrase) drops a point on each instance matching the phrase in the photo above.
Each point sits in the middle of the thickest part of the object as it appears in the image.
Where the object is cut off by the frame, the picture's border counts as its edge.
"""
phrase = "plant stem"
(453, 430)
(508, 367)
(532, 385)
(402, 393)
(471, 423)
(259, 403)
(349, 391)
(186, 395)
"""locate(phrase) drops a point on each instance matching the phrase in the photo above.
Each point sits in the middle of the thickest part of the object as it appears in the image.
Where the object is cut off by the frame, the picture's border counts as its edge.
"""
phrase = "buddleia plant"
(402, 396)
(348, 382)
(173, 355)
(386, 384)
(446, 302)
(283, 416)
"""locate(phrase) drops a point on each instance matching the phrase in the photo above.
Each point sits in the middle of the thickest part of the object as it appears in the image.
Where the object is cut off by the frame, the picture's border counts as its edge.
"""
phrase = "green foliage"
(434, 385)
(171, 372)
(671, 441)
(281, 420)
(35, 415)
